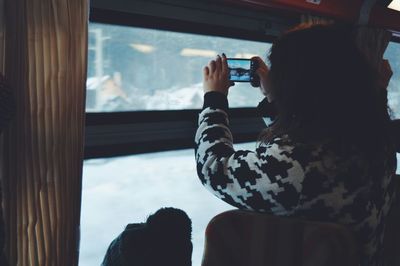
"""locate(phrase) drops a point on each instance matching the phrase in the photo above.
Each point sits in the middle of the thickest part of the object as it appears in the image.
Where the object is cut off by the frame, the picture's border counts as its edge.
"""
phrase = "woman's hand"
(262, 72)
(216, 76)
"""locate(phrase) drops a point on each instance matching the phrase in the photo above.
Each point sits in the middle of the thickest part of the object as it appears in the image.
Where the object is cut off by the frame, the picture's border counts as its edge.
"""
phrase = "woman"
(328, 156)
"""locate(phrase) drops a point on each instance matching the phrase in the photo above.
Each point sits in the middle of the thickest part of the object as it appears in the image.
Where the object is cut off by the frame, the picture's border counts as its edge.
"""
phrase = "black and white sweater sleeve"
(267, 179)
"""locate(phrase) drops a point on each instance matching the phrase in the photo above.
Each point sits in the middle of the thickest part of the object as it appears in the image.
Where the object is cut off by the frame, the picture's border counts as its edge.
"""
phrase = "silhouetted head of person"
(164, 239)
(170, 230)
(323, 87)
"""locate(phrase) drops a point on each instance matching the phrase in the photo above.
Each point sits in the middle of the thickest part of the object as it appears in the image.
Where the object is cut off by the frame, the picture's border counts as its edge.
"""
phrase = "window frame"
(127, 133)
(110, 134)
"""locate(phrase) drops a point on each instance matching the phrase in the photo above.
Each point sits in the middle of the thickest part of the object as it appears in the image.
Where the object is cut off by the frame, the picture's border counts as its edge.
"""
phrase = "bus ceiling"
(364, 12)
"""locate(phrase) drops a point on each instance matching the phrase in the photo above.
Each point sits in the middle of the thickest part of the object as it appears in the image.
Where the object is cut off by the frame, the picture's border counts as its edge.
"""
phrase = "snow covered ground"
(127, 189)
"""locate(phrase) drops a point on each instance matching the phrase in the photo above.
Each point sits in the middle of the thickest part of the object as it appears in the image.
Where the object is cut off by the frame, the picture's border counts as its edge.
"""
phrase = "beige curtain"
(45, 59)
(2, 33)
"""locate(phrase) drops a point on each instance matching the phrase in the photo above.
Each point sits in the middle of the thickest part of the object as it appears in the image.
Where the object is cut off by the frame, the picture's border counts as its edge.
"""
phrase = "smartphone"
(242, 70)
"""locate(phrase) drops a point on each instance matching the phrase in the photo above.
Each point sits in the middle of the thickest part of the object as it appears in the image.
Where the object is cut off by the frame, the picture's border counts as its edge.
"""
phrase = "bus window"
(123, 190)
(139, 69)
(142, 69)
(132, 69)
(393, 55)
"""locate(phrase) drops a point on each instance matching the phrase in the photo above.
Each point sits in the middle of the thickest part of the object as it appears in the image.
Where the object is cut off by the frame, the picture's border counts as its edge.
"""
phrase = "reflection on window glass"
(123, 190)
(393, 54)
(144, 69)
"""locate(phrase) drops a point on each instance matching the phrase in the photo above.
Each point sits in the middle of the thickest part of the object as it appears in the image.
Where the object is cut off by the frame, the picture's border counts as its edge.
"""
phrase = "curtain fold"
(42, 150)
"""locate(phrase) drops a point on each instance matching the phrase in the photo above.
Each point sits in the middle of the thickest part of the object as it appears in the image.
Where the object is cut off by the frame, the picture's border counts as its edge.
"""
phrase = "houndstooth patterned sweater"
(312, 181)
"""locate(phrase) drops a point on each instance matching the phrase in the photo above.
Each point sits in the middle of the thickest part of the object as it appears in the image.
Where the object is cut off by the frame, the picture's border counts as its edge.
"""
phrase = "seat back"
(241, 238)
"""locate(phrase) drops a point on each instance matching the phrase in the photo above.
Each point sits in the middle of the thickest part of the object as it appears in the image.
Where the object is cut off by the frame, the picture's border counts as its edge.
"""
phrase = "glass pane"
(133, 69)
(393, 55)
(123, 190)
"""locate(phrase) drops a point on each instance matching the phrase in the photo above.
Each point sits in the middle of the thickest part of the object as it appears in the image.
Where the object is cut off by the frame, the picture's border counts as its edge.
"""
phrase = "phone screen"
(240, 70)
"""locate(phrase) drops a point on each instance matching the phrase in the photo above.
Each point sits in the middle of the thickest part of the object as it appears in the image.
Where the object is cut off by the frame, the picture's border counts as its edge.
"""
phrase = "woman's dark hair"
(323, 88)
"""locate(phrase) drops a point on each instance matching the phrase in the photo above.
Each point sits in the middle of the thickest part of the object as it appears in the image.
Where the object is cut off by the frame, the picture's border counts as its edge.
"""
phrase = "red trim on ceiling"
(342, 10)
